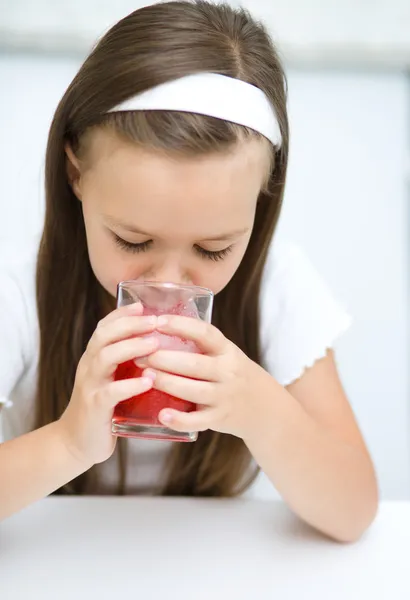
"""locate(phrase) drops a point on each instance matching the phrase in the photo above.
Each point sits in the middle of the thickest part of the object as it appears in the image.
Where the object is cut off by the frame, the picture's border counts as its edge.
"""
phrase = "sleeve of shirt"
(14, 342)
(300, 317)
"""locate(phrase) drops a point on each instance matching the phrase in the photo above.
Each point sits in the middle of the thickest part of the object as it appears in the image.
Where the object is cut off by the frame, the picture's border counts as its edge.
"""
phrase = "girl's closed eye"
(214, 255)
(130, 246)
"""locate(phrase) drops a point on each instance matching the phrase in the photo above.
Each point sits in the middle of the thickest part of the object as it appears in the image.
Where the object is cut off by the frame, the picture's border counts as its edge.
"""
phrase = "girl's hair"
(150, 46)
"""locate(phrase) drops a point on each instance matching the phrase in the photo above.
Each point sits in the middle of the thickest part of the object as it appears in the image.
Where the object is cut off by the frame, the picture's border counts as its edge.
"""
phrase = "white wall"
(331, 32)
(345, 203)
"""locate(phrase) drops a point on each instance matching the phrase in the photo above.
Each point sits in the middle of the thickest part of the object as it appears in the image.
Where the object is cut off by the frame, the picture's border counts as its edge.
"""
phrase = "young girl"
(166, 161)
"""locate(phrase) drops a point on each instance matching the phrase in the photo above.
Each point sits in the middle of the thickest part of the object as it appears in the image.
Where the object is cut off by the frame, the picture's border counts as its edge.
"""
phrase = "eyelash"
(144, 246)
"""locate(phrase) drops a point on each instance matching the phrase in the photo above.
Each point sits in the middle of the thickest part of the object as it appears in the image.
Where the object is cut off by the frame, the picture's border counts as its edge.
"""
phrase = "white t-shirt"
(300, 320)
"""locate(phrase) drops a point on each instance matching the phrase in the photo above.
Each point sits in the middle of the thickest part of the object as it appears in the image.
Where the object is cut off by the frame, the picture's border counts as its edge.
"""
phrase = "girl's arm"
(40, 462)
(305, 438)
(35, 465)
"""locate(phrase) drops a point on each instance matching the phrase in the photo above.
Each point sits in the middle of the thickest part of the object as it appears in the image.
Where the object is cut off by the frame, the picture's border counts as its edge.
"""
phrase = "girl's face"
(151, 216)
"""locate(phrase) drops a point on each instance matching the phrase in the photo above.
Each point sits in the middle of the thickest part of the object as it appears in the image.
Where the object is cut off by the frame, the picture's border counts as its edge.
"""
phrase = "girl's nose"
(169, 272)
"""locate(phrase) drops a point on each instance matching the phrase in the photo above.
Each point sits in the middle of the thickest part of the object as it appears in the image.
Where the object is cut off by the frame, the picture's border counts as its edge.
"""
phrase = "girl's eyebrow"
(227, 236)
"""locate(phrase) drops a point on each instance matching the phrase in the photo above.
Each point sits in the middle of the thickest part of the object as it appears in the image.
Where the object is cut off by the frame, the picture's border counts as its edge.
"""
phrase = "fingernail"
(135, 306)
(162, 321)
(152, 320)
(165, 416)
(149, 373)
(146, 381)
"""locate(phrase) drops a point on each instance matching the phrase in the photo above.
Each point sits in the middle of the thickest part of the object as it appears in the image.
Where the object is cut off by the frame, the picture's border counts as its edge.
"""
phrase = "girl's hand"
(225, 384)
(86, 422)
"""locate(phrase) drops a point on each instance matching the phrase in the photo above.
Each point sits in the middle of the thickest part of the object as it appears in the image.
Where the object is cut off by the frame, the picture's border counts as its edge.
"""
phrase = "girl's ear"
(73, 171)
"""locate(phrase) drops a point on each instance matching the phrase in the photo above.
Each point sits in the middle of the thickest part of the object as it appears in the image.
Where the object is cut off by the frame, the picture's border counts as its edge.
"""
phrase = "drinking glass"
(137, 417)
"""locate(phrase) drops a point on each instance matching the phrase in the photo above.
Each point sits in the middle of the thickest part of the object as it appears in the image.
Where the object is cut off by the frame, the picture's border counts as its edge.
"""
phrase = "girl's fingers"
(198, 392)
(122, 311)
(107, 360)
(207, 337)
(116, 391)
(197, 366)
(118, 329)
(199, 420)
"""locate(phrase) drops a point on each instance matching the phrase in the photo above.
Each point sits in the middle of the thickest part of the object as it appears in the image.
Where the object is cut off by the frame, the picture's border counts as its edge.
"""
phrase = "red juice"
(146, 407)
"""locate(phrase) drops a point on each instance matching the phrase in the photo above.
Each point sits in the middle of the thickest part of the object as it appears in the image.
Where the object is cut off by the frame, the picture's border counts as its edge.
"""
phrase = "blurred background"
(347, 199)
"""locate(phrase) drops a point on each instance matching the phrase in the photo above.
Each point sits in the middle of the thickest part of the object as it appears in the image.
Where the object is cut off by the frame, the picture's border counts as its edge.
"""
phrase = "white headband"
(213, 95)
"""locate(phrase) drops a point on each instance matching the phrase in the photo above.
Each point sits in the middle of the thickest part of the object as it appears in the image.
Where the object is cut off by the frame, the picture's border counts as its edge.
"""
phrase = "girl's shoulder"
(18, 310)
(285, 260)
(18, 273)
(300, 316)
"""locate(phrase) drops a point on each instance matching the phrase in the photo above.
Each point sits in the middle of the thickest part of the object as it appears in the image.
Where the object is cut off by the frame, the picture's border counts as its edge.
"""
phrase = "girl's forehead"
(105, 146)
(129, 177)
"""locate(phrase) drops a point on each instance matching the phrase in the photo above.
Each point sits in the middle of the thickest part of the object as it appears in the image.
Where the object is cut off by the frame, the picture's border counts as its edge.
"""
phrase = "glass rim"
(198, 290)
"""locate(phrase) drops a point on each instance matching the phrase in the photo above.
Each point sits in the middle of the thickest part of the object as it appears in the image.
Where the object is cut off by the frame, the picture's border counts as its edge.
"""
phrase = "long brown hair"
(151, 46)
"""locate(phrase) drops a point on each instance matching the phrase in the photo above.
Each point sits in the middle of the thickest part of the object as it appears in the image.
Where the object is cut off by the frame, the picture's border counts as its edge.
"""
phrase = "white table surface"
(143, 548)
